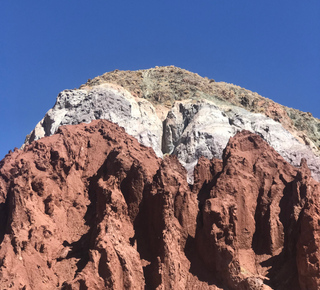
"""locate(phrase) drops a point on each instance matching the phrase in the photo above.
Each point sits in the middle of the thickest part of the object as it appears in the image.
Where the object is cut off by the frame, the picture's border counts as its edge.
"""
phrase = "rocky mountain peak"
(178, 112)
(163, 179)
(168, 84)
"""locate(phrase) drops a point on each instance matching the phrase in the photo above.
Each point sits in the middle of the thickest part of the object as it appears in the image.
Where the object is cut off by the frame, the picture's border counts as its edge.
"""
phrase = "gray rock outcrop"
(203, 128)
(108, 102)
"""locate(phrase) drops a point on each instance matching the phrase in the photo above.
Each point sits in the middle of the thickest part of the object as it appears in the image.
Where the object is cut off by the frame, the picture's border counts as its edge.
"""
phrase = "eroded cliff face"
(91, 208)
(253, 214)
(178, 112)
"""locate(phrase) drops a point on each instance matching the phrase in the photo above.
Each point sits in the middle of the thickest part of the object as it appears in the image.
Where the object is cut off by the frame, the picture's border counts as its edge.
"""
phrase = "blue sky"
(271, 47)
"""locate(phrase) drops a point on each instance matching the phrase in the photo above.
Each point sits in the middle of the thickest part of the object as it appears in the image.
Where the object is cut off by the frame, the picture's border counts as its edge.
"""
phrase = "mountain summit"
(162, 179)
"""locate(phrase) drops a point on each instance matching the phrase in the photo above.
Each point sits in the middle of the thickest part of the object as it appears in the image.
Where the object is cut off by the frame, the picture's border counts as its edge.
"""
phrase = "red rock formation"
(259, 219)
(91, 208)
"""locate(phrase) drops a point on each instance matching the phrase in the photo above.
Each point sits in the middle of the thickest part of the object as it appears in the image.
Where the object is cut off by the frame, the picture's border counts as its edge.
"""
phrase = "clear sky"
(270, 47)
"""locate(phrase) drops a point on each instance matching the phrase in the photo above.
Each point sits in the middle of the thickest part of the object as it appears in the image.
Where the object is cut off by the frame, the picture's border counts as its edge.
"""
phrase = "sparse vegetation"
(167, 84)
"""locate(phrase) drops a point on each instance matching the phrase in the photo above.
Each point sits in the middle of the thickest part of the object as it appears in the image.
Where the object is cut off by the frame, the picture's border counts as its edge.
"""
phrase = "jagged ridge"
(91, 208)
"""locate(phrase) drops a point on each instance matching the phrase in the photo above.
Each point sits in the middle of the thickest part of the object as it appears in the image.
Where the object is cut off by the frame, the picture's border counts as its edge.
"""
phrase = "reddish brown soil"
(91, 208)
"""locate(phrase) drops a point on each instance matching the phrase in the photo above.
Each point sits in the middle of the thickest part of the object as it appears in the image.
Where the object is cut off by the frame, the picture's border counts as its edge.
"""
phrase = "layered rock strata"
(202, 128)
(91, 208)
(178, 112)
(165, 85)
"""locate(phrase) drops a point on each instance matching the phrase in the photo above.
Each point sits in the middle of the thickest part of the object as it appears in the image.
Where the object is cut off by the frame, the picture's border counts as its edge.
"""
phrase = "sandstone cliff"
(178, 112)
(91, 208)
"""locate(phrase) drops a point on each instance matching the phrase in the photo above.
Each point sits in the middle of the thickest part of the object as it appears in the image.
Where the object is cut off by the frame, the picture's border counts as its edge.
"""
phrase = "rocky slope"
(91, 208)
(178, 112)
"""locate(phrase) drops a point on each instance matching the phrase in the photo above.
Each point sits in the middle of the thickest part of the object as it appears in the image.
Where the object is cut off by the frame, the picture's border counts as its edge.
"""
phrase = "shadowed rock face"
(178, 112)
(91, 208)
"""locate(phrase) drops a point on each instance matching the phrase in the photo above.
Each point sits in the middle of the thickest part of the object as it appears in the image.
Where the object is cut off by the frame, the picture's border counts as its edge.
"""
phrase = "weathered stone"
(203, 128)
(104, 212)
(108, 102)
